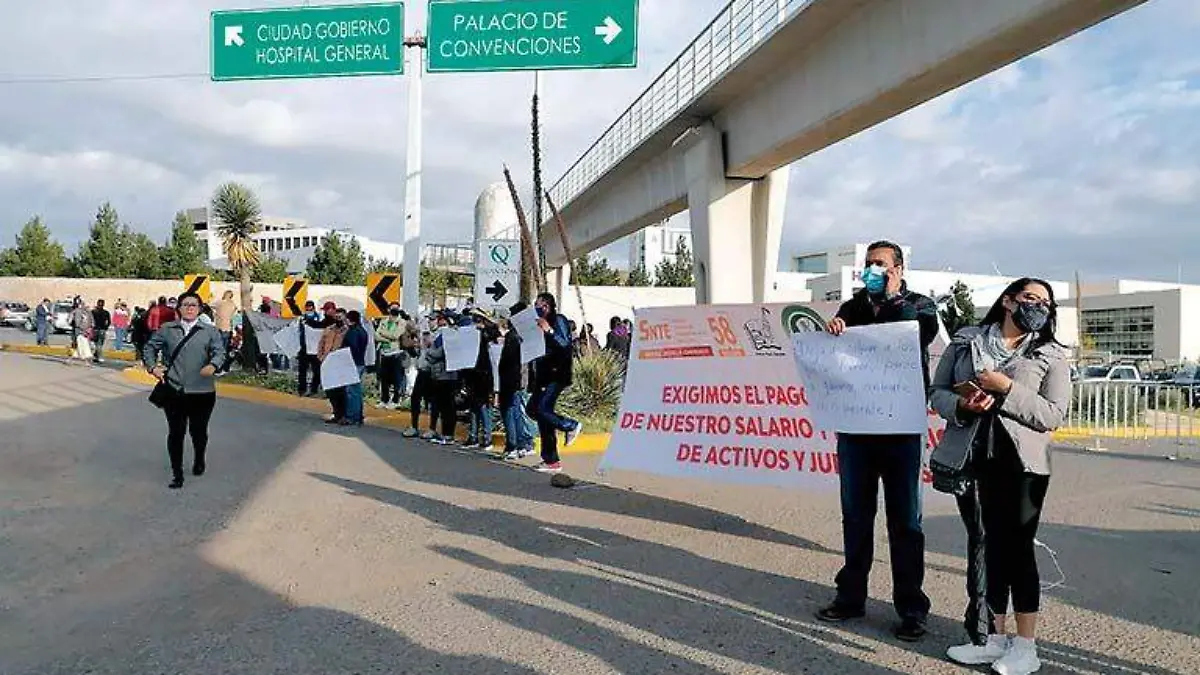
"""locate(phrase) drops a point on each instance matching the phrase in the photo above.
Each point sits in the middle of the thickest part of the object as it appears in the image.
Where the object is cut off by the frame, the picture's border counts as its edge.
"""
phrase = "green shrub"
(595, 392)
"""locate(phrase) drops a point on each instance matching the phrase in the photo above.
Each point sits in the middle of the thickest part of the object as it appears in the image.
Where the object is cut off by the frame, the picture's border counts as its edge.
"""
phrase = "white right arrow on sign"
(610, 30)
(233, 36)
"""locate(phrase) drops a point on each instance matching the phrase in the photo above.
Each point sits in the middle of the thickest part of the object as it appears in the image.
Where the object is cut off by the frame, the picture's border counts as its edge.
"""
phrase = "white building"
(654, 244)
(1156, 324)
(288, 239)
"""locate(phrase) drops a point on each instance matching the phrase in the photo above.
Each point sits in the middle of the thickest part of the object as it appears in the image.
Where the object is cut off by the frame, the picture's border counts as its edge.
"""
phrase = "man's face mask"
(875, 279)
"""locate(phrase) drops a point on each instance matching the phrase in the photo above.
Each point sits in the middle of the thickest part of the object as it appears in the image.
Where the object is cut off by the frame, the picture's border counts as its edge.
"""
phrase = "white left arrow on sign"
(233, 36)
(610, 29)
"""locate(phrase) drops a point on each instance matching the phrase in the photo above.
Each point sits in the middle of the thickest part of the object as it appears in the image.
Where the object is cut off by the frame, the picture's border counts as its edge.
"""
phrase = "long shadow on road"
(100, 568)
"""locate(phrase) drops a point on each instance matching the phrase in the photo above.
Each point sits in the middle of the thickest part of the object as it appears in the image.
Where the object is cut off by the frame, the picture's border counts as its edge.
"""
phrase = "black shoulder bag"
(163, 393)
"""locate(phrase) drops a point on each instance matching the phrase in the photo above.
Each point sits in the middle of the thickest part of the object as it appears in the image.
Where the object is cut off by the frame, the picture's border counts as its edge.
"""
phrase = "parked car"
(1188, 379)
(13, 313)
(60, 318)
(1117, 373)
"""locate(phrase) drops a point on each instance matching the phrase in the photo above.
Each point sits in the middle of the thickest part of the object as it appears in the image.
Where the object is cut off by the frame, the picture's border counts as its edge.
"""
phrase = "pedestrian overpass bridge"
(767, 83)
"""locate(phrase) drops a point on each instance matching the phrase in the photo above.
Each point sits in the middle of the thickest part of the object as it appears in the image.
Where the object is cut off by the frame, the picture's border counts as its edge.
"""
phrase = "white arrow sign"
(610, 30)
(233, 36)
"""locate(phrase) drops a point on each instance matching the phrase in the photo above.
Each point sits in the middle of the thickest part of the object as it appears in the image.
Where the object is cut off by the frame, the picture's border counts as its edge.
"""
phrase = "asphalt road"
(305, 550)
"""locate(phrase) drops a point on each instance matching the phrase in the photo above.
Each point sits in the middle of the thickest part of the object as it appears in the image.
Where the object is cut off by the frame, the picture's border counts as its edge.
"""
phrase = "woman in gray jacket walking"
(190, 371)
(1003, 387)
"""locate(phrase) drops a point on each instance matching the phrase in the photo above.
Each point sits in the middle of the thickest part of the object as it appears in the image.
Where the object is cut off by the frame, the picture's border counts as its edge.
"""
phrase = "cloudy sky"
(1085, 156)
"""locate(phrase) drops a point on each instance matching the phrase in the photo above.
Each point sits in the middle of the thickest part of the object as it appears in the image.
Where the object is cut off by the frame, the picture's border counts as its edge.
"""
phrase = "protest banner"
(713, 392)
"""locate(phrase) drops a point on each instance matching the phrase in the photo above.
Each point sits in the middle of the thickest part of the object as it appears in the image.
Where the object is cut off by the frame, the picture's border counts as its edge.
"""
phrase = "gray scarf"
(989, 351)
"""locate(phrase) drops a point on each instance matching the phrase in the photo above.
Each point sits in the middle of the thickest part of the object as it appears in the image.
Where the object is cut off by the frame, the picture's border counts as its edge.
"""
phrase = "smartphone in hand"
(968, 389)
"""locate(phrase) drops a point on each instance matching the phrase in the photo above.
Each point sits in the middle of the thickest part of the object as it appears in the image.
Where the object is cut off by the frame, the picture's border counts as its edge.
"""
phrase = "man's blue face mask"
(874, 279)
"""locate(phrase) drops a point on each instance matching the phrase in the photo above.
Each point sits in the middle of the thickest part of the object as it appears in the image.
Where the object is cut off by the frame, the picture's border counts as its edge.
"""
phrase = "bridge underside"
(835, 68)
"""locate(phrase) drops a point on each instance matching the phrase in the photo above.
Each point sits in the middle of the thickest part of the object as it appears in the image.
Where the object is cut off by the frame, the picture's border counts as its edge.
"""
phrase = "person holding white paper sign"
(1003, 388)
(895, 459)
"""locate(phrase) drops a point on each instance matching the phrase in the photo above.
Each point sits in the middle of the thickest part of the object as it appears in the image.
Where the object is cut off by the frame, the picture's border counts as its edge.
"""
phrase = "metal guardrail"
(1161, 413)
(734, 33)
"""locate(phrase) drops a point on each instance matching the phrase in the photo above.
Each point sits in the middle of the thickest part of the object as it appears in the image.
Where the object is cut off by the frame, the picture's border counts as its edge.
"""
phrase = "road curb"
(63, 352)
(586, 444)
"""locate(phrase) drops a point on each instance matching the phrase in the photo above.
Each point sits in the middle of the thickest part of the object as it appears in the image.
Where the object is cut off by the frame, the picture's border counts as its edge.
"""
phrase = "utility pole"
(415, 46)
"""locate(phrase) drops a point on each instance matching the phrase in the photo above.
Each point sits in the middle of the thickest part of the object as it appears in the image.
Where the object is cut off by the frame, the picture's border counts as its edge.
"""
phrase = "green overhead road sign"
(321, 41)
(531, 35)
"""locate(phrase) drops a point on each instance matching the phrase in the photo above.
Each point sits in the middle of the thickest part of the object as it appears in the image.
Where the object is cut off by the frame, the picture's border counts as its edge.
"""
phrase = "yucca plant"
(238, 217)
(595, 392)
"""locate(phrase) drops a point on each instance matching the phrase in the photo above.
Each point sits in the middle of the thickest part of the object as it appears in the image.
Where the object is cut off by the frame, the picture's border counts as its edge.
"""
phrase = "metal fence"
(739, 28)
(1158, 415)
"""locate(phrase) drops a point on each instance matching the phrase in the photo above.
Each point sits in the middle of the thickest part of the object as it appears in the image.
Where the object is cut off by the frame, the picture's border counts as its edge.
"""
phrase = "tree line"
(114, 250)
(675, 272)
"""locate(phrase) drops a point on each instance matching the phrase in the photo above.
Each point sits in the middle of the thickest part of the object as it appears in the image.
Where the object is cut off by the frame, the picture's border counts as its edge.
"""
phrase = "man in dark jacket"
(101, 320)
(357, 340)
(552, 375)
(864, 460)
(312, 321)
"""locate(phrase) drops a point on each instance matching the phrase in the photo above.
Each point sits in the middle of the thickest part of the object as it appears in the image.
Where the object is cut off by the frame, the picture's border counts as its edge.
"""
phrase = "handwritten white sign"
(866, 381)
(462, 347)
(533, 341)
(338, 370)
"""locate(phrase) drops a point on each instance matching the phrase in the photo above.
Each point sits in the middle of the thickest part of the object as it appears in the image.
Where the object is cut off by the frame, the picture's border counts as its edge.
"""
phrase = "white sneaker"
(548, 468)
(573, 434)
(382, 406)
(522, 453)
(512, 455)
(428, 435)
(1020, 659)
(978, 655)
(409, 433)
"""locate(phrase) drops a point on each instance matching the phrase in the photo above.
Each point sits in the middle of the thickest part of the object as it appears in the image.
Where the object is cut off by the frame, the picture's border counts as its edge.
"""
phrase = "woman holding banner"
(1002, 387)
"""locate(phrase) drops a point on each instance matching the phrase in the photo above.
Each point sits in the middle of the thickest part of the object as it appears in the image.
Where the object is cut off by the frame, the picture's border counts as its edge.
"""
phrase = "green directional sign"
(319, 41)
(531, 35)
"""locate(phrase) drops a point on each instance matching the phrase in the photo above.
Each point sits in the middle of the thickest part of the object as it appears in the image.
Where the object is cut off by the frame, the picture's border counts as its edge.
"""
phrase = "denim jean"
(518, 431)
(119, 339)
(43, 330)
(354, 399)
(541, 408)
(481, 427)
(227, 339)
(863, 461)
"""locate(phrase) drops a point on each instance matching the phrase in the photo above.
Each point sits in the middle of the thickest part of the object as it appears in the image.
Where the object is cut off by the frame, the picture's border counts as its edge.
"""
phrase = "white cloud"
(1080, 149)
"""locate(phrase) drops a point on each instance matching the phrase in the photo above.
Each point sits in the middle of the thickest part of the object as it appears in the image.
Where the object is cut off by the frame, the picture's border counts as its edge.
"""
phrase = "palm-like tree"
(238, 217)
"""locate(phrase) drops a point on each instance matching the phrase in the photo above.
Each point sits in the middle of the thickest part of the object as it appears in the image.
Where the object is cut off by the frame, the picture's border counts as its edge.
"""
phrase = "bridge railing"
(740, 27)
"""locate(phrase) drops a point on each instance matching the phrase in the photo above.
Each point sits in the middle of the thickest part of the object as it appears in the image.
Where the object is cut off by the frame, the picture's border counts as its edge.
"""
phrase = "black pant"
(444, 392)
(389, 379)
(337, 401)
(305, 363)
(422, 393)
(862, 462)
(188, 413)
(1010, 500)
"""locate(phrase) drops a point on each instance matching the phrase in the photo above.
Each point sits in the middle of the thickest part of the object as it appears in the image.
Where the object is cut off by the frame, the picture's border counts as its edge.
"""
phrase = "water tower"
(496, 214)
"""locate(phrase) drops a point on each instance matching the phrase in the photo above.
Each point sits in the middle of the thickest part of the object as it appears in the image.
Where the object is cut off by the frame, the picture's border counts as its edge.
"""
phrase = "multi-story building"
(289, 239)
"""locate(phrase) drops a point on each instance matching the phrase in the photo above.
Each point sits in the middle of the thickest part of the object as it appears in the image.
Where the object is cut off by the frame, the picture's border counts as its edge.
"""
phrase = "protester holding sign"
(1003, 388)
(552, 375)
(865, 459)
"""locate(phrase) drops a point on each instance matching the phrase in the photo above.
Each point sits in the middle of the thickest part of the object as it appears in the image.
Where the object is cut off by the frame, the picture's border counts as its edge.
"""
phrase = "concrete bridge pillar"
(736, 223)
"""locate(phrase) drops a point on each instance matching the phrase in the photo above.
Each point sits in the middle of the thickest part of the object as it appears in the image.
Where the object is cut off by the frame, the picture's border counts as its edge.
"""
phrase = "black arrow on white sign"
(497, 290)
